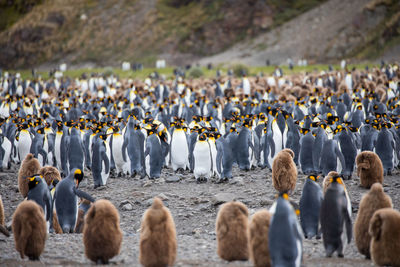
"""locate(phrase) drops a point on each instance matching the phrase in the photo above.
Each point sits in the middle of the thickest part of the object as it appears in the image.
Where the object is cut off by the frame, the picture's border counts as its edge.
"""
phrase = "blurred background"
(43, 34)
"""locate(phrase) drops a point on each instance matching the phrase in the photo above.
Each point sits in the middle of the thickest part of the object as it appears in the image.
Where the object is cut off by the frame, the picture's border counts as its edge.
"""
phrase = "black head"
(78, 176)
(33, 181)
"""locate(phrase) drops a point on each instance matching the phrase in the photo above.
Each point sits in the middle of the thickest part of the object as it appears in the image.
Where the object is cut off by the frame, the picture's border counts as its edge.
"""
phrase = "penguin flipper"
(339, 154)
(84, 195)
(124, 146)
(106, 161)
(347, 221)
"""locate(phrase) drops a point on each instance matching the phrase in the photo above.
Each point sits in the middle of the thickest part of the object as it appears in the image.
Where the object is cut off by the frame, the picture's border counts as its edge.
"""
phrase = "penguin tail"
(157, 203)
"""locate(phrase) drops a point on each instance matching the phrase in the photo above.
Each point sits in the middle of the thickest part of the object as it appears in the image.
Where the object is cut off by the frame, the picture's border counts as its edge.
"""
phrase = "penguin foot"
(318, 236)
(34, 258)
(389, 172)
(119, 174)
(340, 255)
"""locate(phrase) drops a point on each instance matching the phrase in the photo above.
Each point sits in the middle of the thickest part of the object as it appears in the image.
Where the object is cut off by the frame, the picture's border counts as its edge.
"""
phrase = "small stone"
(162, 196)
(127, 207)
(196, 232)
(172, 179)
(266, 202)
(222, 198)
(147, 184)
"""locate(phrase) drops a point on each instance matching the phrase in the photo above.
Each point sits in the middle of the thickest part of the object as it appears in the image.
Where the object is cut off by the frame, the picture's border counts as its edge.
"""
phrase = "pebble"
(222, 198)
(172, 179)
(127, 207)
(162, 196)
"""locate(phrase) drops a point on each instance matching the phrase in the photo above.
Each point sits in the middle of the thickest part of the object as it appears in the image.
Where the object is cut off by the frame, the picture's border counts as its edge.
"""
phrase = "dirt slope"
(332, 31)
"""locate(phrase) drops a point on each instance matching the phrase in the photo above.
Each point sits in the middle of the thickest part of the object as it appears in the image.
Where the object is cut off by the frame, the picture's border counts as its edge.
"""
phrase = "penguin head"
(34, 181)
(78, 176)
(203, 137)
(337, 179)
(313, 177)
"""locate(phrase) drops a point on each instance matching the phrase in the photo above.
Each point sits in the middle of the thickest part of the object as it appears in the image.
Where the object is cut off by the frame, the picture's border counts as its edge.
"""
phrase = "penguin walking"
(202, 166)
(310, 205)
(334, 216)
(40, 193)
(285, 235)
(100, 161)
(66, 200)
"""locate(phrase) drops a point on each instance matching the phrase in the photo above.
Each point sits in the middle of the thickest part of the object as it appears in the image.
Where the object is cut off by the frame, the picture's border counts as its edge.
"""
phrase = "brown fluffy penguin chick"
(29, 229)
(56, 225)
(258, 238)
(232, 231)
(50, 173)
(374, 200)
(327, 181)
(3, 229)
(80, 222)
(284, 171)
(29, 167)
(102, 236)
(369, 168)
(385, 235)
(157, 236)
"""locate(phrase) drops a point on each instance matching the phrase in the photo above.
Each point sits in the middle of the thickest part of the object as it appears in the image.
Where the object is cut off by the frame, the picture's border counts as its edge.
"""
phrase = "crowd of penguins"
(325, 124)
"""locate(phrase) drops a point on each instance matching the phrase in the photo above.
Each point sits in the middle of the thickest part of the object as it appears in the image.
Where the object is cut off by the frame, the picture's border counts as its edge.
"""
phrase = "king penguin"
(100, 160)
(285, 235)
(153, 154)
(334, 217)
(202, 159)
(310, 204)
(40, 193)
(66, 200)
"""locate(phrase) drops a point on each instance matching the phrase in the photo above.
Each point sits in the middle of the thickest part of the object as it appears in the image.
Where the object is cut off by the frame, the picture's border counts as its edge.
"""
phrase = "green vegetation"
(206, 73)
(12, 11)
(196, 73)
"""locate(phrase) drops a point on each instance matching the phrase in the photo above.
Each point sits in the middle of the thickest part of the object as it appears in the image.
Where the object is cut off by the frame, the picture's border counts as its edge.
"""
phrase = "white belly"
(57, 150)
(202, 160)
(179, 150)
(7, 148)
(24, 145)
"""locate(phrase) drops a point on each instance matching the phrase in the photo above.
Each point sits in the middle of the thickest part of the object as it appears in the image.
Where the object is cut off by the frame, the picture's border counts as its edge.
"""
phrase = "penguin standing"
(116, 150)
(369, 168)
(179, 149)
(384, 232)
(310, 205)
(330, 155)
(306, 149)
(66, 200)
(40, 193)
(334, 216)
(157, 236)
(29, 229)
(153, 155)
(3, 229)
(5, 152)
(102, 235)
(349, 150)
(258, 238)
(202, 159)
(100, 161)
(285, 235)
(374, 200)
(24, 142)
(75, 150)
(245, 147)
(30, 166)
(384, 147)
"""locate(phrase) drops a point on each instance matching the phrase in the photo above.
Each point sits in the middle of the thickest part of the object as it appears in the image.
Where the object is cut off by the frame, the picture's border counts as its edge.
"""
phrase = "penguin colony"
(317, 123)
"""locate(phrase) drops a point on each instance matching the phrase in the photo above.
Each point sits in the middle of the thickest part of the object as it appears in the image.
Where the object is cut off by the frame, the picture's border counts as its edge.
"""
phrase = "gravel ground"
(194, 208)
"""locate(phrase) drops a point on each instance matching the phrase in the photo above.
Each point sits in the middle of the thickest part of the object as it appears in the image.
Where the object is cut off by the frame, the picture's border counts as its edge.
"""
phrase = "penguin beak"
(77, 183)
